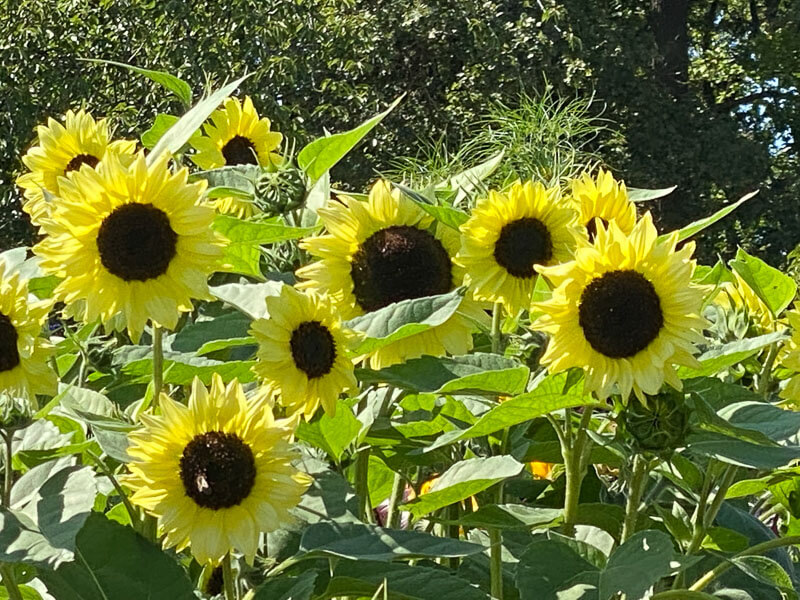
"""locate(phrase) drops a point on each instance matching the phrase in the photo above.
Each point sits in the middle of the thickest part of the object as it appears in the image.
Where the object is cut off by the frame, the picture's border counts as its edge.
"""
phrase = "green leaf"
(357, 541)
(402, 582)
(637, 564)
(42, 287)
(331, 434)
(320, 155)
(698, 226)
(721, 357)
(114, 562)
(287, 588)
(477, 373)
(642, 195)
(722, 539)
(462, 480)
(242, 252)
(552, 393)
(240, 177)
(739, 452)
(229, 325)
(404, 319)
(549, 567)
(509, 516)
(248, 298)
(773, 287)
(27, 592)
(766, 571)
(174, 84)
(160, 126)
(775, 423)
(447, 215)
(180, 368)
(468, 180)
(180, 133)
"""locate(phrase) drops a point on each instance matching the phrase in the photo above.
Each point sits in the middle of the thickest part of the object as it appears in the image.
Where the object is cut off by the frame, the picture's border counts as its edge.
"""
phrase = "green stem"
(392, 514)
(7, 571)
(765, 376)
(362, 485)
(635, 491)
(575, 470)
(497, 334)
(227, 578)
(682, 595)
(158, 365)
(132, 512)
(496, 563)
(10, 582)
(711, 575)
(453, 530)
(719, 497)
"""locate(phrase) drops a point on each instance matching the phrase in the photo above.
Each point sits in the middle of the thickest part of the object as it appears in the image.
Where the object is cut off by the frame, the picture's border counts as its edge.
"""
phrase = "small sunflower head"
(660, 425)
(601, 200)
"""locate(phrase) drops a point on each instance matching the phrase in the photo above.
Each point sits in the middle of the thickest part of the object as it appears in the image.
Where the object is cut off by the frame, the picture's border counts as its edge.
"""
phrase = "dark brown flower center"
(591, 227)
(240, 151)
(81, 159)
(521, 245)
(136, 242)
(9, 354)
(313, 349)
(620, 313)
(217, 470)
(399, 263)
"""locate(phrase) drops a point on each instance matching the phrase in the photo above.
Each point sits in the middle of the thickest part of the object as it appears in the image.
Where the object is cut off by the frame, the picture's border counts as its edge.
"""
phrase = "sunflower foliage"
(220, 377)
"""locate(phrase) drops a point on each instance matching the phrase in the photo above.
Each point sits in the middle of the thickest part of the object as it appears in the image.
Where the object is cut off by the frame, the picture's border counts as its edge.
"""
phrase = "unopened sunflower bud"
(660, 426)
(15, 413)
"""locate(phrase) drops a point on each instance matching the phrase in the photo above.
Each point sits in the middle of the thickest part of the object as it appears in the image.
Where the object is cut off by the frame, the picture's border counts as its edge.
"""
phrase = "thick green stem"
(158, 365)
(575, 469)
(635, 491)
(228, 581)
(7, 571)
(132, 512)
(765, 376)
(496, 563)
(362, 485)
(497, 334)
(711, 575)
(392, 514)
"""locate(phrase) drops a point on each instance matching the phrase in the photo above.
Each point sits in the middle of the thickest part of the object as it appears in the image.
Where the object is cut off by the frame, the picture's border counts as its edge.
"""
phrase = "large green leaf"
(49, 505)
(403, 319)
(400, 582)
(549, 569)
(248, 298)
(509, 516)
(331, 434)
(242, 251)
(462, 480)
(287, 588)
(773, 422)
(229, 325)
(465, 182)
(721, 357)
(477, 373)
(637, 564)
(113, 562)
(180, 368)
(776, 289)
(174, 139)
(357, 541)
(697, 226)
(320, 155)
(767, 571)
(554, 392)
(740, 452)
(174, 84)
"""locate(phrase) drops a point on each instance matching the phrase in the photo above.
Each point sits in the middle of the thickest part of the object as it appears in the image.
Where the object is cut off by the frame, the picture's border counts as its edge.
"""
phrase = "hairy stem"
(7, 571)
(497, 334)
(635, 491)
(393, 515)
(574, 464)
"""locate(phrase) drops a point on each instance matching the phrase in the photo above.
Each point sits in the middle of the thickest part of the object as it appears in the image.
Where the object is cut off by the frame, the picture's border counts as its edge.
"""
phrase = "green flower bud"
(282, 190)
(660, 426)
(15, 413)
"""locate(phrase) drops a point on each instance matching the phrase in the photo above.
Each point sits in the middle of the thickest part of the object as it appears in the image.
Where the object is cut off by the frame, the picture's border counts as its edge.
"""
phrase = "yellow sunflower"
(62, 149)
(215, 473)
(624, 310)
(24, 371)
(605, 199)
(236, 136)
(302, 353)
(508, 235)
(131, 241)
(791, 359)
(738, 296)
(383, 251)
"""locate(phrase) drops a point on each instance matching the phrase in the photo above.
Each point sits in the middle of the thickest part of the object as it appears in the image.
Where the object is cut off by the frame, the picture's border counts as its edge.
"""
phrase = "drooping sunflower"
(625, 311)
(62, 149)
(603, 199)
(236, 136)
(215, 473)
(509, 234)
(302, 353)
(24, 371)
(386, 250)
(131, 240)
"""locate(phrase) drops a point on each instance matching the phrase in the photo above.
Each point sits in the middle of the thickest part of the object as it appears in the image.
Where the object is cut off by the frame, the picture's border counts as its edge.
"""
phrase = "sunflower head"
(63, 149)
(303, 352)
(509, 235)
(132, 241)
(24, 371)
(660, 426)
(217, 472)
(603, 199)
(738, 297)
(625, 310)
(383, 251)
(236, 136)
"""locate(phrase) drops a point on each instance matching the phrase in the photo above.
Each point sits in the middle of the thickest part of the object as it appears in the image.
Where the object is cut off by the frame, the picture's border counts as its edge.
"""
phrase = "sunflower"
(605, 199)
(23, 354)
(383, 251)
(791, 359)
(215, 473)
(236, 137)
(62, 149)
(302, 352)
(508, 235)
(738, 296)
(625, 310)
(131, 241)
